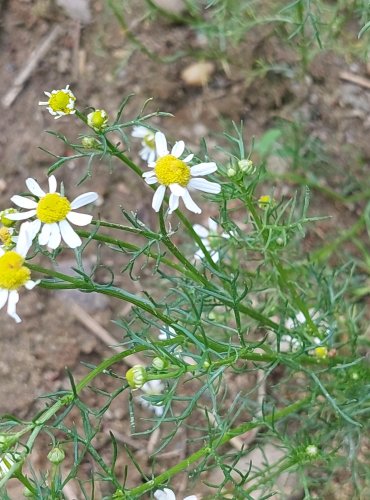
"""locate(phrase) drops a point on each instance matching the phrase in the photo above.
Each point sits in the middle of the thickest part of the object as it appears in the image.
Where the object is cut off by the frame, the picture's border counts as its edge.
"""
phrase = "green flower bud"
(247, 167)
(3, 217)
(312, 450)
(231, 172)
(159, 363)
(56, 455)
(97, 120)
(136, 376)
(90, 142)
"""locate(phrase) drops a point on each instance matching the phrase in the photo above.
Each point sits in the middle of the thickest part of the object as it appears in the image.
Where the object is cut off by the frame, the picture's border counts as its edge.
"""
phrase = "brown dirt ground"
(102, 66)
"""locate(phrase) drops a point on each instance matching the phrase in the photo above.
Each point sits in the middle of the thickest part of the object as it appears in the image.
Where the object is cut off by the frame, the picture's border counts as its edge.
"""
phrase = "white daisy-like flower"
(53, 214)
(60, 103)
(152, 388)
(210, 238)
(167, 494)
(13, 273)
(147, 153)
(169, 171)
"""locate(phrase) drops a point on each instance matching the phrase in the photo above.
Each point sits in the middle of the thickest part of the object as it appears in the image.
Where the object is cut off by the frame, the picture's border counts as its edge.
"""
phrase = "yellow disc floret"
(62, 101)
(5, 236)
(171, 170)
(13, 274)
(52, 208)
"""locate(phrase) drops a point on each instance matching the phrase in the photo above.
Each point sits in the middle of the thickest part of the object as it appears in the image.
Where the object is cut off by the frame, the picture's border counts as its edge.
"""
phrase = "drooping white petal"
(55, 237)
(173, 203)
(45, 234)
(21, 215)
(188, 158)
(201, 230)
(68, 234)
(23, 202)
(203, 169)
(3, 297)
(177, 189)
(161, 144)
(139, 131)
(213, 226)
(204, 185)
(31, 284)
(151, 180)
(191, 497)
(158, 197)
(12, 305)
(165, 494)
(52, 184)
(79, 219)
(148, 174)
(178, 149)
(190, 204)
(84, 199)
(34, 187)
(147, 154)
(24, 240)
(33, 228)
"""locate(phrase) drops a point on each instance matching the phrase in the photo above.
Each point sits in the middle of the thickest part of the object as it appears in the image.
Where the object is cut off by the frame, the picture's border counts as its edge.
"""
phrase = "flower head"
(53, 214)
(172, 172)
(136, 376)
(147, 153)
(7, 239)
(264, 201)
(4, 217)
(167, 494)
(14, 274)
(210, 238)
(97, 120)
(152, 388)
(60, 102)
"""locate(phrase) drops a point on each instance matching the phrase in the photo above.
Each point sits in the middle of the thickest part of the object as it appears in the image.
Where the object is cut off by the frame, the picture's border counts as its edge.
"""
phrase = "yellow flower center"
(171, 170)
(60, 100)
(98, 119)
(52, 208)
(12, 272)
(149, 141)
(5, 236)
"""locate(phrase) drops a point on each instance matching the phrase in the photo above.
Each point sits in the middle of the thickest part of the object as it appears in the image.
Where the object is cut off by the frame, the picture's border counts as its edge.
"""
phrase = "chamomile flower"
(210, 238)
(53, 213)
(172, 172)
(61, 102)
(167, 494)
(98, 120)
(7, 238)
(14, 274)
(147, 153)
(152, 388)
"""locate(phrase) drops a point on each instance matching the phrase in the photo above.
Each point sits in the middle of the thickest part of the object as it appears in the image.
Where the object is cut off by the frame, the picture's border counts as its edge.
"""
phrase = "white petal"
(45, 234)
(139, 131)
(213, 226)
(34, 187)
(52, 184)
(31, 284)
(79, 219)
(23, 202)
(161, 144)
(191, 497)
(151, 180)
(151, 157)
(173, 203)
(68, 234)
(148, 174)
(201, 231)
(177, 189)
(204, 185)
(12, 305)
(188, 158)
(21, 215)
(24, 239)
(165, 494)
(55, 237)
(3, 297)
(190, 204)
(147, 154)
(33, 228)
(203, 169)
(151, 164)
(178, 149)
(158, 197)
(84, 199)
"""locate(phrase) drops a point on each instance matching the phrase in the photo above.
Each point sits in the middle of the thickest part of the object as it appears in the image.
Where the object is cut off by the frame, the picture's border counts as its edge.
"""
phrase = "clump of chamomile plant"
(240, 343)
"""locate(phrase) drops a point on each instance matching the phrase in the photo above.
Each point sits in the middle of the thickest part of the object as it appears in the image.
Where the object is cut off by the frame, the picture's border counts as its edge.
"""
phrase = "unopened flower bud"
(264, 201)
(56, 455)
(321, 352)
(136, 376)
(280, 241)
(231, 172)
(97, 120)
(247, 167)
(159, 363)
(312, 450)
(90, 142)
(4, 219)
